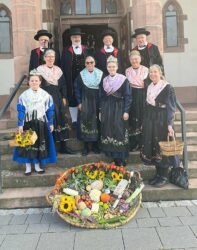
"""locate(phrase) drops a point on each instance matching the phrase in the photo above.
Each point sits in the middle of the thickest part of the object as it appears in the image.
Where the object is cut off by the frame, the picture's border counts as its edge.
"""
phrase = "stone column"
(148, 14)
(26, 19)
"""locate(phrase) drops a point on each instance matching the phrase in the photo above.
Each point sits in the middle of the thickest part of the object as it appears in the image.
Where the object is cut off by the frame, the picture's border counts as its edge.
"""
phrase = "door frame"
(67, 22)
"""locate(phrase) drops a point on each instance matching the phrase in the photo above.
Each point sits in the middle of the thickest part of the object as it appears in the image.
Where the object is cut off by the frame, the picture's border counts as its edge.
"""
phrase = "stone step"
(35, 197)
(16, 179)
(191, 115)
(7, 124)
(191, 126)
(191, 137)
(72, 143)
(65, 160)
(7, 134)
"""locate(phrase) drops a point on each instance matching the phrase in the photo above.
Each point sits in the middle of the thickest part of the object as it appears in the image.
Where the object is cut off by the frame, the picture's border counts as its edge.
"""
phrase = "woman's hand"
(51, 128)
(79, 107)
(125, 116)
(20, 129)
(170, 131)
(64, 101)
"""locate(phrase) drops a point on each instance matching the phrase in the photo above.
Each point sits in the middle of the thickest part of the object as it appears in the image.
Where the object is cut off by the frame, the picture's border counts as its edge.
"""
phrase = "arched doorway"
(93, 16)
(91, 37)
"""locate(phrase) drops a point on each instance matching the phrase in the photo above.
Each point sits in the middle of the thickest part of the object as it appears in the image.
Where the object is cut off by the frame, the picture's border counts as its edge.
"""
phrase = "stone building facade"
(171, 23)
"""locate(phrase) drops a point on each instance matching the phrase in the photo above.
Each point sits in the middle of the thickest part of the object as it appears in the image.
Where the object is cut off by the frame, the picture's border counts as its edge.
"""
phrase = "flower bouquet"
(24, 139)
(97, 195)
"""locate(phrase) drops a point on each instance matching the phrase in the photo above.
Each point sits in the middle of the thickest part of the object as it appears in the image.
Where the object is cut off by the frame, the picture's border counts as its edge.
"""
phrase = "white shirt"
(77, 49)
(109, 49)
(143, 46)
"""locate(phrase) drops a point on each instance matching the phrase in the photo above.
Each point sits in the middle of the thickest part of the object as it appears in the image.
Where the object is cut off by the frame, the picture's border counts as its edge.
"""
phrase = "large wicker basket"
(171, 148)
(135, 203)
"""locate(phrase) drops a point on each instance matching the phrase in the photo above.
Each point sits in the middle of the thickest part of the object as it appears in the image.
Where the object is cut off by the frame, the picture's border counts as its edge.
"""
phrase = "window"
(95, 7)
(66, 7)
(88, 7)
(5, 31)
(173, 28)
(111, 7)
(80, 7)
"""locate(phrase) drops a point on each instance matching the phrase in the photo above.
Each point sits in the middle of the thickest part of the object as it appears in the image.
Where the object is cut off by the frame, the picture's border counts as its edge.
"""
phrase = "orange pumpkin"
(105, 197)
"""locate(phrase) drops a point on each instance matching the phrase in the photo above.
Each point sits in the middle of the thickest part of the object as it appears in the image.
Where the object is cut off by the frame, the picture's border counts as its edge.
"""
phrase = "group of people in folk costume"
(112, 110)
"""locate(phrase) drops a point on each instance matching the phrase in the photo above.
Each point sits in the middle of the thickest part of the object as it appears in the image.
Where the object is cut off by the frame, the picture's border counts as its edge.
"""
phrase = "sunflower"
(92, 175)
(120, 177)
(67, 204)
(115, 176)
(101, 174)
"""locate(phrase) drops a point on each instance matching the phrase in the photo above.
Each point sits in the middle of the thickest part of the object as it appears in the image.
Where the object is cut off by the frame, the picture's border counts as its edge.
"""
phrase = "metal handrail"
(11, 96)
(184, 137)
(2, 112)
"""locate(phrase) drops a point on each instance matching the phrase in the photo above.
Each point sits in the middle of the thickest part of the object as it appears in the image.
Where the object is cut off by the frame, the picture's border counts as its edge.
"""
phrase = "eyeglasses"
(92, 62)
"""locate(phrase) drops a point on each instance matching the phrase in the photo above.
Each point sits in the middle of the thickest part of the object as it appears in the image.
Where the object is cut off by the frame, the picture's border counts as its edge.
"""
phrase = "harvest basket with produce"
(97, 195)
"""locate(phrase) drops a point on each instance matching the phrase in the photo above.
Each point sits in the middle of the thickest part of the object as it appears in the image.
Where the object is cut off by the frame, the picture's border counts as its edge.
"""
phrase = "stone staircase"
(21, 191)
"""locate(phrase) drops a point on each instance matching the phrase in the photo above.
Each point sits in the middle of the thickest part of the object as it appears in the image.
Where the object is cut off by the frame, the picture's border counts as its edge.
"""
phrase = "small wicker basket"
(171, 148)
(32, 139)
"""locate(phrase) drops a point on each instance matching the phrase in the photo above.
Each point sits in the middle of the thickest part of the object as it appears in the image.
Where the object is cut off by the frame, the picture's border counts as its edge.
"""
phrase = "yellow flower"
(67, 204)
(115, 176)
(92, 175)
(101, 174)
(120, 177)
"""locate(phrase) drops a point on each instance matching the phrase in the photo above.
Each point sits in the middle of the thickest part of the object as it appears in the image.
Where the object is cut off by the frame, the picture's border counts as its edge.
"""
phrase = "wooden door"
(125, 38)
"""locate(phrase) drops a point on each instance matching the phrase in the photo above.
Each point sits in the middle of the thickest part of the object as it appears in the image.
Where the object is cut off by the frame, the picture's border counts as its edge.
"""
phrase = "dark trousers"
(171, 161)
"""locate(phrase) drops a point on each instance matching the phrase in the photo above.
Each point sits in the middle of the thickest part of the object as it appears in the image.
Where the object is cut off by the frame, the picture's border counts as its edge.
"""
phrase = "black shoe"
(40, 172)
(85, 151)
(67, 151)
(161, 181)
(27, 174)
(163, 178)
(96, 150)
(156, 176)
(154, 180)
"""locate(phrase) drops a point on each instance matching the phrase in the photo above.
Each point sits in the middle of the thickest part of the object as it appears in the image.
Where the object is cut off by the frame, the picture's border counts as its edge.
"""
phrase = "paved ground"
(157, 226)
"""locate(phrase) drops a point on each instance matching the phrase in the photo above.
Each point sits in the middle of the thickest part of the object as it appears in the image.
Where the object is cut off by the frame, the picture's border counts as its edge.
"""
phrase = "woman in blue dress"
(35, 111)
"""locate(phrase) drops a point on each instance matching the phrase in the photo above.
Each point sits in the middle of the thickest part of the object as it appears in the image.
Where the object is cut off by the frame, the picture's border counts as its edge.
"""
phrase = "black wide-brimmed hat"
(42, 33)
(140, 31)
(108, 32)
(75, 31)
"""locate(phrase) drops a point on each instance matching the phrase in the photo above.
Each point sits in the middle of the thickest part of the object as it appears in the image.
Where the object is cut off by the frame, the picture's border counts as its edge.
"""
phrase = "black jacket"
(154, 56)
(101, 60)
(35, 59)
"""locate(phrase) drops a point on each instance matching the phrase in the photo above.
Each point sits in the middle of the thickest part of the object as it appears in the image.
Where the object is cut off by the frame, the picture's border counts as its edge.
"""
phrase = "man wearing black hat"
(36, 58)
(108, 50)
(72, 63)
(149, 52)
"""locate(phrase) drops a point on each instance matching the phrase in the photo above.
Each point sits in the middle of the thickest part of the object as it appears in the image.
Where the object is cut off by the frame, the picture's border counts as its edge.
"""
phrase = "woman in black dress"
(87, 95)
(157, 124)
(115, 103)
(54, 83)
(137, 75)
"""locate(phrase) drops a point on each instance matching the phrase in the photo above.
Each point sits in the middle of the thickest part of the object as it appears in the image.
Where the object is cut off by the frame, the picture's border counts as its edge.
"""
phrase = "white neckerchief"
(77, 49)
(109, 49)
(142, 47)
(38, 101)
